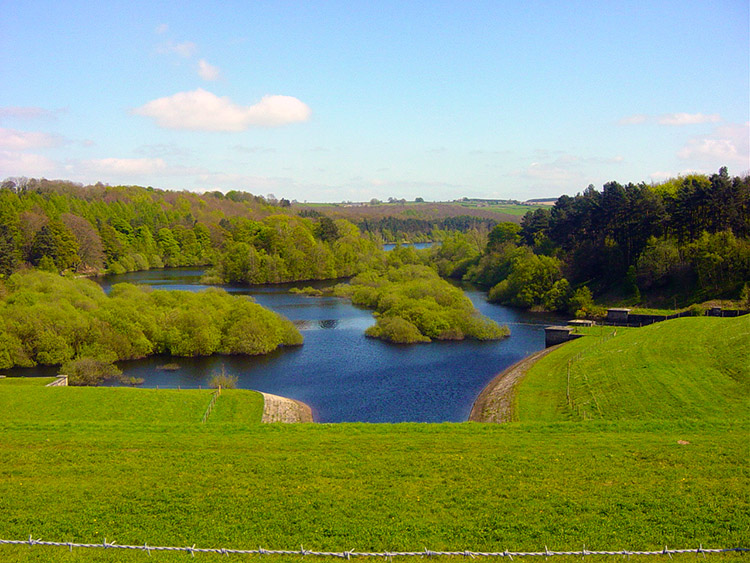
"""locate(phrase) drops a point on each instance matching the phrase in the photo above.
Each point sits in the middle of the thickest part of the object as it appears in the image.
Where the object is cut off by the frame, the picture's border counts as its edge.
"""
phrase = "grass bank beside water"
(690, 368)
(136, 466)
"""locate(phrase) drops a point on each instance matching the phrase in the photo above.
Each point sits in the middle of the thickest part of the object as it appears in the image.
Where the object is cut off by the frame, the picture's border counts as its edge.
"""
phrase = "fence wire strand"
(349, 554)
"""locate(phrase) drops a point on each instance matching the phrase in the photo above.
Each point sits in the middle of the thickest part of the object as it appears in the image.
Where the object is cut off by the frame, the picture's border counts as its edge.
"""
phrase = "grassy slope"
(694, 368)
(427, 211)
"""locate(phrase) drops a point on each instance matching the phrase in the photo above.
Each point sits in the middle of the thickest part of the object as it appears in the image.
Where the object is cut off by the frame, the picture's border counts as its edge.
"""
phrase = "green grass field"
(691, 368)
(120, 405)
(505, 208)
(137, 466)
(34, 381)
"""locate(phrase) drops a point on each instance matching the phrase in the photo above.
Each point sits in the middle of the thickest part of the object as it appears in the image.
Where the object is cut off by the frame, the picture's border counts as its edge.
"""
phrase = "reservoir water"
(343, 375)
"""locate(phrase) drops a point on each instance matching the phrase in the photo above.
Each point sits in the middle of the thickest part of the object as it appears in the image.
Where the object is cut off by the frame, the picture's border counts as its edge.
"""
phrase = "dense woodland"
(673, 244)
(677, 243)
(59, 226)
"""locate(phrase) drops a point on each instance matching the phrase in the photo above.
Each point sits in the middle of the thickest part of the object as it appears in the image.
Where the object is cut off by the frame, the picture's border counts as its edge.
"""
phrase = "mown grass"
(689, 368)
(125, 405)
(379, 487)
(37, 381)
(506, 208)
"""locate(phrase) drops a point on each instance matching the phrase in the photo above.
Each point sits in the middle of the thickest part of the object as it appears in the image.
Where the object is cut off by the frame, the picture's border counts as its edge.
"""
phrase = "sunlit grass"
(125, 405)
(34, 381)
(690, 368)
(375, 487)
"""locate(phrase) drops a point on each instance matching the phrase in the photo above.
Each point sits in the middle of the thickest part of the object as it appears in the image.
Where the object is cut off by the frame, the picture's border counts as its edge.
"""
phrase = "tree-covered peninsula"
(49, 319)
(413, 304)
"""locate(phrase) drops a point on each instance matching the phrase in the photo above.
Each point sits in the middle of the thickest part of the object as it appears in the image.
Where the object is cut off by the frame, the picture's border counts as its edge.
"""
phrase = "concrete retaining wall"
(61, 381)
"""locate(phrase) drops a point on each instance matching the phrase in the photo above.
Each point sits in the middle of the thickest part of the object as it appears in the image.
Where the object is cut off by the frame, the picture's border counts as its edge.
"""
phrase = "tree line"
(60, 226)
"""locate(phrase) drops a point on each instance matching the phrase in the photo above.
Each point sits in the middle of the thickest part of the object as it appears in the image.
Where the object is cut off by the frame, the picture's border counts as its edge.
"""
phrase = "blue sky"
(334, 101)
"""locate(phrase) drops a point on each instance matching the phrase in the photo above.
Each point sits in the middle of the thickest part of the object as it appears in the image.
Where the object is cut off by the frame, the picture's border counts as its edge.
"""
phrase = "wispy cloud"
(207, 71)
(13, 163)
(671, 119)
(162, 150)
(23, 140)
(200, 110)
(28, 112)
(688, 118)
(253, 150)
(727, 144)
(125, 166)
(186, 49)
(636, 119)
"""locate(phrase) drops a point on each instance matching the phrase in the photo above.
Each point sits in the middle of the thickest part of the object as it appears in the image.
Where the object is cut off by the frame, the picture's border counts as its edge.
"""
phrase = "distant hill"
(541, 201)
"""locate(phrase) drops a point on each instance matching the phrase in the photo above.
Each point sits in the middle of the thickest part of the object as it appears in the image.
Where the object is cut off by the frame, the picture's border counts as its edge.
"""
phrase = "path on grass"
(495, 402)
(282, 409)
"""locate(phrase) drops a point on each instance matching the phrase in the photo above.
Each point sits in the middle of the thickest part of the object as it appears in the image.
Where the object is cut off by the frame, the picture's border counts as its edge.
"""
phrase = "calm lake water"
(341, 374)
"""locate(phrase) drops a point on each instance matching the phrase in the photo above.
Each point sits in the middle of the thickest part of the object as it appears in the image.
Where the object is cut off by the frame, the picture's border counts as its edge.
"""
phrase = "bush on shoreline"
(48, 319)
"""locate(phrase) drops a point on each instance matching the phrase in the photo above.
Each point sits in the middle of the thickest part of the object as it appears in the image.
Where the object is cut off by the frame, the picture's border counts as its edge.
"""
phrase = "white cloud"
(727, 144)
(163, 150)
(162, 29)
(253, 184)
(688, 118)
(126, 166)
(633, 119)
(207, 71)
(672, 119)
(26, 112)
(14, 163)
(186, 49)
(253, 150)
(200, 110)
(22, 140)
(660, 176)
(555, 172)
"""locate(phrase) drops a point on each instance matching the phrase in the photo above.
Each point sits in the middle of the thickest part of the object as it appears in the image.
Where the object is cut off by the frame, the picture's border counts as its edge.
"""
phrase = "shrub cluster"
(413, 304)
(49, 319)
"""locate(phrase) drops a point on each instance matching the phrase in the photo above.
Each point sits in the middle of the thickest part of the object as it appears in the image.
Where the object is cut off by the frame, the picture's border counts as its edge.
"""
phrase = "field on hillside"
(138, 467)
(691, 368)
(427, 210)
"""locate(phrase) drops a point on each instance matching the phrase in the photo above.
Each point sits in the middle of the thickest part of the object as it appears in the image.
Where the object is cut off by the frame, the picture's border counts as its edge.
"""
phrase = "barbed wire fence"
(211, 405)
(192, 550)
